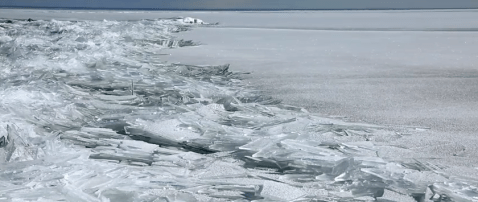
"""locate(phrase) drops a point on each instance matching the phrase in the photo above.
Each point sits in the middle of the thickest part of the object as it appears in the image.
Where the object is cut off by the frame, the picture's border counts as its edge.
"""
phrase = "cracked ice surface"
(89, 112)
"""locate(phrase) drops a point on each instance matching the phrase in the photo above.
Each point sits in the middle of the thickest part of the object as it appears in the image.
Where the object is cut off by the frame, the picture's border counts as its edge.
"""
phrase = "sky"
(247, 4)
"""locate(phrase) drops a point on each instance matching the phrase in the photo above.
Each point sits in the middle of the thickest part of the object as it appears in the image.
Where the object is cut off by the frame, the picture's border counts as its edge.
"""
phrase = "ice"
(112, 121)
(280, 191)
(192, 20)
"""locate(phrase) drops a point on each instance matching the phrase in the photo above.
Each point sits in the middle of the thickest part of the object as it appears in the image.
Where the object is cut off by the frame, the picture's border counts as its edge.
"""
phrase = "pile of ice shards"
(89, 112)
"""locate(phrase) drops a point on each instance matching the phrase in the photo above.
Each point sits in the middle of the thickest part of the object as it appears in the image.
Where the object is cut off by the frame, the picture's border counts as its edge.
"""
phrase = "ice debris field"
(89, 112)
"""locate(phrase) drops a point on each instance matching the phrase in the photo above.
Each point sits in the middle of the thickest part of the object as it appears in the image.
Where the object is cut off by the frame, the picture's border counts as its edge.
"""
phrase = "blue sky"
(248, 4)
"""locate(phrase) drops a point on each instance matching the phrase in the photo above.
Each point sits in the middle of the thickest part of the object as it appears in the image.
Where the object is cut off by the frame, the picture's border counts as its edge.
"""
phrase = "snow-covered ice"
(89, 111)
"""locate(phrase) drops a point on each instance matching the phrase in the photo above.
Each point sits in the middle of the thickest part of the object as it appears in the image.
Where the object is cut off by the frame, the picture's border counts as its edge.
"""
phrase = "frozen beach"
(391, 95)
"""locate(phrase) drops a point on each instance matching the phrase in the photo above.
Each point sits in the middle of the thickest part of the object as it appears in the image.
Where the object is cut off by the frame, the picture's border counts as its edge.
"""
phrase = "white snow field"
(143, 106)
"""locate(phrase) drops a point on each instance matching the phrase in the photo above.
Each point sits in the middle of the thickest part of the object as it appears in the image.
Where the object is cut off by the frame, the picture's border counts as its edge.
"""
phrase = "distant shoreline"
(171, 9)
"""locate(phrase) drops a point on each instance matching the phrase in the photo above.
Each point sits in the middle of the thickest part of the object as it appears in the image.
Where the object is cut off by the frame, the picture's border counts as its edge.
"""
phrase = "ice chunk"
(4, 39)
(192, 20)
(81, 39)
(222, 169)
(280, 191)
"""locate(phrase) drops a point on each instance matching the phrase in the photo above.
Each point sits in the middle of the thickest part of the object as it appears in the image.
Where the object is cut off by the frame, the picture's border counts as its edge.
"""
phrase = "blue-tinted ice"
(90, 112)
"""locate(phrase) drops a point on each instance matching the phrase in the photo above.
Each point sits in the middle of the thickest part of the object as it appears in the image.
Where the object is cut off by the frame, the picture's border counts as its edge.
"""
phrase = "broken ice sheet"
(280, 191)
(100, 117)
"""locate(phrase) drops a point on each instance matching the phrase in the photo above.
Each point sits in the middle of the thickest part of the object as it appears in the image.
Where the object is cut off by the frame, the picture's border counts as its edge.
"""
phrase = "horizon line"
(217, 9)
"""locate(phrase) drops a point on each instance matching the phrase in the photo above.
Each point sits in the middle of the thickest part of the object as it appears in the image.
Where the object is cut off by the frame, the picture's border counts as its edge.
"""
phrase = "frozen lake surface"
(354, 64)
(95, 109)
